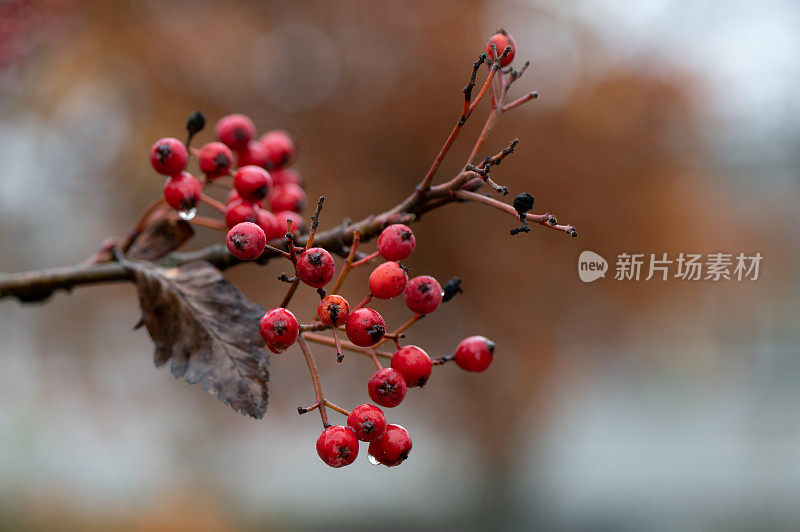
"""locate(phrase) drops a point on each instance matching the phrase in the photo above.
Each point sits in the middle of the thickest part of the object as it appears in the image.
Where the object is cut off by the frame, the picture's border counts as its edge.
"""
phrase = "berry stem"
(348, 263)
(316, 326)
(365, 260)
(289, 293)
(364, 302)
(211, 223)
(516, 103)
(337, 408)
(278, 252)
(147, 212)
(400, 329)
(295, 281)
(497, 110)
(348, 346)
(484, 133)
(214, 203)
(339, 355)
(314, 372)
(442, 360)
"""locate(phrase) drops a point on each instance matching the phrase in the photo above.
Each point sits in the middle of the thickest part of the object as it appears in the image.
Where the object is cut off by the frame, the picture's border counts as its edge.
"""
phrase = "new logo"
(591, 266)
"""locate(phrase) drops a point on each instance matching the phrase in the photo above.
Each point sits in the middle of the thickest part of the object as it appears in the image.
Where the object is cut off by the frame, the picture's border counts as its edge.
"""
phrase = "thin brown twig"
(337, 408)
(314, 372)
(314, 223)
(368, 258)
(211, 223)
(516, 103)
(346, 345)
(542, 219)
(213, 203)
(465, 114)
(414, 319)
(348, 263)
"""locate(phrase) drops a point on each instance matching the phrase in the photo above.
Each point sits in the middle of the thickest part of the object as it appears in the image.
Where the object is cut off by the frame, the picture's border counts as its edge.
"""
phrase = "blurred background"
(662, 126)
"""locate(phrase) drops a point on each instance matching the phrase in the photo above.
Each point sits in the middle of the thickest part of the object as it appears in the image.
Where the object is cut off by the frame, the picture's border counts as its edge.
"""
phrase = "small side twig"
(314, 223)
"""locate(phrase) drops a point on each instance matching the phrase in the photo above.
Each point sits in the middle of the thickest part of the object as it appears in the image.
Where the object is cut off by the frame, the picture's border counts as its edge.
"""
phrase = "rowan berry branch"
(38, 285)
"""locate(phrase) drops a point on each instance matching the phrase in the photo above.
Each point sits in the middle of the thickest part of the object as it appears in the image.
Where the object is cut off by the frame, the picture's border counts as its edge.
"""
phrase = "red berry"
(280, 148)
(243, 211)
(182, 191)
(396, 242)
(337, 446)
(423, 294)
(393, 447)
(288, 197)
(387, 387)
(168, 156)
(315, 267)
(501, 39)
(268, 222)
(252, 183)
(475, 353)
(413, 364)
(367, 421)
(365, 327)
(246, 241)
(233, 197)
(278, 328)
(297, 221)
(235, 131)
(333, 310)
(254, 153)
(387, 280)
(284, 176)
(215, 159)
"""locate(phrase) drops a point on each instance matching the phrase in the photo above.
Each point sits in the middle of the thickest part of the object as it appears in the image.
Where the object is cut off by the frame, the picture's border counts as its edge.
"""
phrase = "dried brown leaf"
(207, 330)
(160, 237)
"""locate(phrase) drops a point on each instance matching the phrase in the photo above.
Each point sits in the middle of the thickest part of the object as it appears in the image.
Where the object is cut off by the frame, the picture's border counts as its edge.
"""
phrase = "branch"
(40, 284)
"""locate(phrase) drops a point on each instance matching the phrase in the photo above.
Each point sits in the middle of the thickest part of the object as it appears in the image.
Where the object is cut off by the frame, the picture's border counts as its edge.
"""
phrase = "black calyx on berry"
(163, 151)
(451, 288)
(376, 332)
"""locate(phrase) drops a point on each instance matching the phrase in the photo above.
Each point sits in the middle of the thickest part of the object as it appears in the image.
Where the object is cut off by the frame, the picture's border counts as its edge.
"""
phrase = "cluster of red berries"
(261, 177)
(411, 366)
(265, 194)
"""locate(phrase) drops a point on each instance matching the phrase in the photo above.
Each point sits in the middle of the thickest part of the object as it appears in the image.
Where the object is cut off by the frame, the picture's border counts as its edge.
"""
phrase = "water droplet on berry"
(187, 215)
(373, 460)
